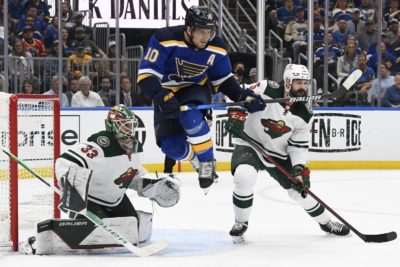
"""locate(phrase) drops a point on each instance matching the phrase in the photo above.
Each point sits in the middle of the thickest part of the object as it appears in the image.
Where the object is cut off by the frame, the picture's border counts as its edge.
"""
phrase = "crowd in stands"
(89, 73)
(352, 42)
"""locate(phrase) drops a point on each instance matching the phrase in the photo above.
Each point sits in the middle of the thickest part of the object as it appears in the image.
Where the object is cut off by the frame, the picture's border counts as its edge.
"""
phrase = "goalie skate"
(28, 247)
(237, 232)
(335, 228)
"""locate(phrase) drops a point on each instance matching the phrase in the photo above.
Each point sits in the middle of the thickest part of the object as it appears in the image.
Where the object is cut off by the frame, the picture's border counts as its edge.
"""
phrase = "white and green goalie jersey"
(281, 131)
(113, 170)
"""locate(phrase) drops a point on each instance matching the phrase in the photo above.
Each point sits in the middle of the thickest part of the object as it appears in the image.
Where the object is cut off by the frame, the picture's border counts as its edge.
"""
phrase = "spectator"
(342, 9)
(368, 36)
(319, 32)
(91, 48)
(391, 97)
(333, 55)
(340, 35)
(373, 59)
(239, 71)
(393, 34)
(347, 62)
(55, 90)
(367, 10)
(72, 89)
(50, 65)
(85, 97)
(356, 25)
(65, 12)
(36, 32)
(110, 65)
(127, 97)
(80, 64)
(351, 39)
(38, 23)
(32, 45)
(386, 81)
(68, 50)
(253, 75)
(27, 87)
(51, 33)
(294, 36)
(284, 14)
(16, 10)
(21, 65)
(75, 22)
(394, 11)
(363, 85)
(42, 8)
(106, 93)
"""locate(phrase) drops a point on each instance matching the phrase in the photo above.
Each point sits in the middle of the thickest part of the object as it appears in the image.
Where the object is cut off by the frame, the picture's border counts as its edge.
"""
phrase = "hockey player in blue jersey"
(185, 65)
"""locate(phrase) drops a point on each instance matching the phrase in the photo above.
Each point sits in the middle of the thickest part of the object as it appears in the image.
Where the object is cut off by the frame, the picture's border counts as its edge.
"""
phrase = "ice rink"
(280, 233)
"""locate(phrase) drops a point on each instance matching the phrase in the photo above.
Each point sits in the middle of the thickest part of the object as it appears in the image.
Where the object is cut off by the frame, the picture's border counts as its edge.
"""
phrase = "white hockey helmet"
(294, 72)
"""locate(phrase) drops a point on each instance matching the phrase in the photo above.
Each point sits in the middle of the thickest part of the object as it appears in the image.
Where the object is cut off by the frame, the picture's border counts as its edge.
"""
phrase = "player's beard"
(298, 93)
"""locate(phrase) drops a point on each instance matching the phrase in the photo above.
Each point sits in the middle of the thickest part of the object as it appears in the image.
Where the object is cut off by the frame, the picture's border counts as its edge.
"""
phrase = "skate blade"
(238, 239)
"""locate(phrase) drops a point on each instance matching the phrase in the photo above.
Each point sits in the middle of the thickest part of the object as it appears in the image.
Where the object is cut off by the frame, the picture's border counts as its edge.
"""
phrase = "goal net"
(30, 129)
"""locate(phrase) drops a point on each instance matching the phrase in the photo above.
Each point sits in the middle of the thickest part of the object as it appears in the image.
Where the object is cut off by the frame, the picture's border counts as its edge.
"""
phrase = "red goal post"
(30, 129)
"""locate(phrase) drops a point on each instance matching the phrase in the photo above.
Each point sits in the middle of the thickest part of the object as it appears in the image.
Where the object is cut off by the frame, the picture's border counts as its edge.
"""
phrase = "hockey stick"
(138, 251)
(353, 78)
(379, 238)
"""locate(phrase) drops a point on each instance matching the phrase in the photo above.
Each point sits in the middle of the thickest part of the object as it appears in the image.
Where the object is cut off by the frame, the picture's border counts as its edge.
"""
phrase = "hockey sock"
(311, 206)
(244, 179)
(198, 133)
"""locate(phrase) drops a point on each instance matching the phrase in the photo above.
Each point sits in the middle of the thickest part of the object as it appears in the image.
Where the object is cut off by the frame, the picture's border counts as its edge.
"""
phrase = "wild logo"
(125, 179)
(274, 128)
(186, 69)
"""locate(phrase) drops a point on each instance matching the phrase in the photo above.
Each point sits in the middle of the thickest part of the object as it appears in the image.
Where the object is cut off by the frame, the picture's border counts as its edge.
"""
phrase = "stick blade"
(387, 237)
(350, 81)
(151, 249)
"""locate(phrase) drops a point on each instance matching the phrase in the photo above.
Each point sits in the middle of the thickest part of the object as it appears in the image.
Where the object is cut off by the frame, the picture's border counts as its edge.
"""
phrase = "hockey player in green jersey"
(96, 174)
(283, 131)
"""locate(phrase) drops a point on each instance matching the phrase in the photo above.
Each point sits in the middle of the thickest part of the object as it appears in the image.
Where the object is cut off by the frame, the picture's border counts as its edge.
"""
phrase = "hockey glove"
(255, 102)
(235, 124)
(302, 175)
(166, 105)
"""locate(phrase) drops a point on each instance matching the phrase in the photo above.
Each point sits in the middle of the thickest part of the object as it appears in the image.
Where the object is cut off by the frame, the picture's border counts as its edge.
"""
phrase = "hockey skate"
(196, 166)
(237, 232)
(335, 228)
(206, 175)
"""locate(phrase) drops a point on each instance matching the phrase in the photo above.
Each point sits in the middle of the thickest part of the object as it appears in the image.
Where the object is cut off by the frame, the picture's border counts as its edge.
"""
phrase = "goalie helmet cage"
(30, 129)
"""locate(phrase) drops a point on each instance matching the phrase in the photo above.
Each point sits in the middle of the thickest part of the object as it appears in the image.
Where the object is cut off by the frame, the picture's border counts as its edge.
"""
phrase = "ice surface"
(280, 233)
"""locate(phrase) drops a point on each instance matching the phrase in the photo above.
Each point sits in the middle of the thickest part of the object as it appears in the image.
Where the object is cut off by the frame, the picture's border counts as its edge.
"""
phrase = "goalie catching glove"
(74, 185)
(302, 175)
(164, 189)
(236, 119)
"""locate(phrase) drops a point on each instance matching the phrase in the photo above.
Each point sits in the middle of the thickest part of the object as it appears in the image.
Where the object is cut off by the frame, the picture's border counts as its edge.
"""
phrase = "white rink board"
(355, 135)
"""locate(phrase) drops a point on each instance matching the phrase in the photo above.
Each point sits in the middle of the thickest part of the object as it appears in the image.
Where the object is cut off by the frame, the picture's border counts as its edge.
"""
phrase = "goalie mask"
(121, 122)
(295, 72)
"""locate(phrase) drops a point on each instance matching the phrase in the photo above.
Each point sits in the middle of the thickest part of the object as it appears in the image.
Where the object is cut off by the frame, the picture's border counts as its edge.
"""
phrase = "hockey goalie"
(94, 176)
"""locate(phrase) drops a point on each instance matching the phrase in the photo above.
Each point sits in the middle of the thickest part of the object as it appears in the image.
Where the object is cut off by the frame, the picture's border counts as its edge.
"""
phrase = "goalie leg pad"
(145, 226)
(60, 236)
(165, 189)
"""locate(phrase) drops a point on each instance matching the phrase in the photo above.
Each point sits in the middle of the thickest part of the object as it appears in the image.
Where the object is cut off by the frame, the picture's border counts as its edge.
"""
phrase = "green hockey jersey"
(282, 130)
(113, 170)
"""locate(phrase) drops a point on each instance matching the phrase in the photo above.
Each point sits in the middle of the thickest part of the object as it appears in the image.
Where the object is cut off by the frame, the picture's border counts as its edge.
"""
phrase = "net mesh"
(36, 148)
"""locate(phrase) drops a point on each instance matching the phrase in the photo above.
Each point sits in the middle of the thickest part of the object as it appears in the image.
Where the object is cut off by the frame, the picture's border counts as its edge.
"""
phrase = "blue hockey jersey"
(179, 64)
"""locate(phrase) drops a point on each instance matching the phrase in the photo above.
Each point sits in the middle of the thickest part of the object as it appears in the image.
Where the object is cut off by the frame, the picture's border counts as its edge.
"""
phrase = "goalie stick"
(350, 81)
(378, 238)
(138, 251)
